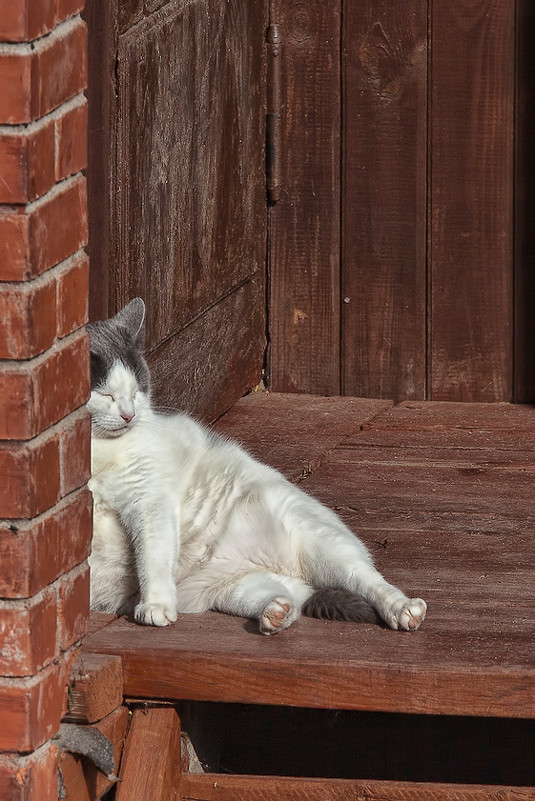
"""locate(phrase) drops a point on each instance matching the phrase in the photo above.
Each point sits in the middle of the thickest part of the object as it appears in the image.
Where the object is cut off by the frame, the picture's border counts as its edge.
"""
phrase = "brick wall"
(45, 508)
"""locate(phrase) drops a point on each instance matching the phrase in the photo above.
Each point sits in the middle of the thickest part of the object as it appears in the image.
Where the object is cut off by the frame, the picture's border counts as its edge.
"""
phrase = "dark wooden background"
(399, 254)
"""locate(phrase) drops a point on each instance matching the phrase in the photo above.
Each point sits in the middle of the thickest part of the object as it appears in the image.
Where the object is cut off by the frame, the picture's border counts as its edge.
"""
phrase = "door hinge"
(273, 115)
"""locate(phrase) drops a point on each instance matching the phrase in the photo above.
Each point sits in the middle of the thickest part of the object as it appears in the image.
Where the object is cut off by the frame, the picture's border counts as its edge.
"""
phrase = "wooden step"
(442, 494)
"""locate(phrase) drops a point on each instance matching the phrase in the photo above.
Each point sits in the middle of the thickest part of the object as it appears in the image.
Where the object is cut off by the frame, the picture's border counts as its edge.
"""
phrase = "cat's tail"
(331, 604)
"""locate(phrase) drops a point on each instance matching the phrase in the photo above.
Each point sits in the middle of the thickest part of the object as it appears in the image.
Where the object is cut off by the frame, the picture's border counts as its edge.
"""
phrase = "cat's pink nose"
(127, 416)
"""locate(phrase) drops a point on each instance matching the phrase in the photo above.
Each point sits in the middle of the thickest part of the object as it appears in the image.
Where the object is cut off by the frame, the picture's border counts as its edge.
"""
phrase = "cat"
(186, 520)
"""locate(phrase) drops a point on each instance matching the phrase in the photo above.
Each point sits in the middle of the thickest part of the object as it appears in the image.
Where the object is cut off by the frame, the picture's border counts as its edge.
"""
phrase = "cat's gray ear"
(131, 316)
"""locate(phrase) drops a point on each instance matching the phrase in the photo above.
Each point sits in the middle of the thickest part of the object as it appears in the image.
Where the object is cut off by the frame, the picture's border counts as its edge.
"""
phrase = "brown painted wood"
(95, 688)
(207, 365)
(218, 787)
(295, 437)
(179, 148)
(323, 664)
(524, 364)
(305, 222)
(150, 767)
(471, 203)
(384, 199)
(444, 521)
(495, 418)
(100, 93)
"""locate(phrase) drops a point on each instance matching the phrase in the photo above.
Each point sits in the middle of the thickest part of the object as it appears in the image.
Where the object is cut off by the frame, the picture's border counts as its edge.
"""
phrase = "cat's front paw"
(409, 614)
(155, 614)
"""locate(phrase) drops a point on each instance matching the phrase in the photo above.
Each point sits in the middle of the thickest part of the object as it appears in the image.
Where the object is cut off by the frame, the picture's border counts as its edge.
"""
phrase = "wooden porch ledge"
(443, 495)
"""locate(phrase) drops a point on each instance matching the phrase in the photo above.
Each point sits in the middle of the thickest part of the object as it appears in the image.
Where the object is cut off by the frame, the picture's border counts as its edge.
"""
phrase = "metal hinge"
(273, 116)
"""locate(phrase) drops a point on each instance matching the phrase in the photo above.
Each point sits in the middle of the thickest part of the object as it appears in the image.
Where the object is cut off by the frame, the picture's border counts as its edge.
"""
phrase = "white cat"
(186, 521)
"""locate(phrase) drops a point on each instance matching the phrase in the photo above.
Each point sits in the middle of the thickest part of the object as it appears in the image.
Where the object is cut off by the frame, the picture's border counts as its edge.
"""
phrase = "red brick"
(27, 157)
(31, 708)
(75, 451)
(16, 403)
(61, 66)
(71, 139)
(28, 314)
(35, 80)
(30, 778)
(65, 8)
(28, 634)
(24, 20)
(73, 610)
(15, 256)
(40, 392)
(44, 233)
(33, 553)
(30, 476)
(58, 225)
(62, 381)
(72, 289)
(16, 67)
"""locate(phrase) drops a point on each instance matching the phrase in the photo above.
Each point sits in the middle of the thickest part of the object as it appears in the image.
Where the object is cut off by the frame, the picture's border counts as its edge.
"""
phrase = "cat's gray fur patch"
(119, 339)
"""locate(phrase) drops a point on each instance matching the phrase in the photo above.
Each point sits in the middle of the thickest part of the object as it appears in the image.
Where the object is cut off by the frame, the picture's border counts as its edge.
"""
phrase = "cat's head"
(120, 385)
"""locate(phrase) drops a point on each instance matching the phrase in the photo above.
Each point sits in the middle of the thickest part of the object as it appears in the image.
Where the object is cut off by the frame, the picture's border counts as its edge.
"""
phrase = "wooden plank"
(82, 779)
(428, 416)
(384, 199)
(327, 665)
(294, 434)
(150, 767)
(444, 522)
(219, 787)
(305, 222)
(190, 179)
(471, 204)
(95, 688)
(192, 373)
(524, 301)
(425, 496)
(101, 97)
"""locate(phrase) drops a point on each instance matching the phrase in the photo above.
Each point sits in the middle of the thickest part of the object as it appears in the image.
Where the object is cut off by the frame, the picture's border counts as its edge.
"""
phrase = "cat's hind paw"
(278, 615)
(155, 614)
(410, 615)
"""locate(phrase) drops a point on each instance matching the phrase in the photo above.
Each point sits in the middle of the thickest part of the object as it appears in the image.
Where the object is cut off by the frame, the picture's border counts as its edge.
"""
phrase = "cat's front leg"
(155, 540)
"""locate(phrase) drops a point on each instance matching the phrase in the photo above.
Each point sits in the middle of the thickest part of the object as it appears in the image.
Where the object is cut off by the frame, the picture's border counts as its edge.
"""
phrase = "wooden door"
(177, 188)
(393, 239)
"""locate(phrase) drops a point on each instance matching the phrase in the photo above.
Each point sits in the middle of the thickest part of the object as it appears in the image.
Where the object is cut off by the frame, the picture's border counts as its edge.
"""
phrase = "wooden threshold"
(217, 787)
(442, 494)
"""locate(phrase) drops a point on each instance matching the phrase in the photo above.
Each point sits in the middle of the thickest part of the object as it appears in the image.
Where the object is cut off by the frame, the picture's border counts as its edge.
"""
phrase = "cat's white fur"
(186, 521)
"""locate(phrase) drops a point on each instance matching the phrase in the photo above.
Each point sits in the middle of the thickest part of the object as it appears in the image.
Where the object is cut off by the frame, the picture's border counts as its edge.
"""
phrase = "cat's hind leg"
(339, 559)
(272, 599)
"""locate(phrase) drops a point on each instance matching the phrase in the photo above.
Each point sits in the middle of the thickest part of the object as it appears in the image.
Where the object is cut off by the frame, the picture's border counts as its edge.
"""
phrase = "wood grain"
(524, 301)
(217, 787)
(471, 201)
(177, 187)
(295, 437)
(150, 767)
(95, 689)
(305, 224)
(446, 521)
(190, 180)
(205, 367)
(384, 200)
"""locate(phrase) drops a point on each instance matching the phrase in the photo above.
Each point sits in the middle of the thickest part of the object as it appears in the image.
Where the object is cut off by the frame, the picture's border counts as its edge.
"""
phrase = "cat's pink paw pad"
(412, 614)
(155, 614)
(277, 615)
